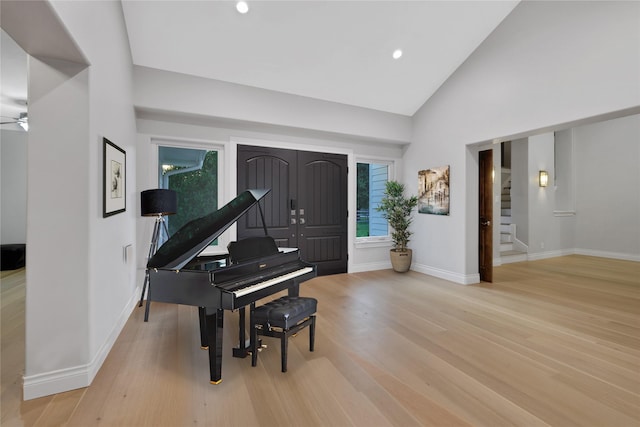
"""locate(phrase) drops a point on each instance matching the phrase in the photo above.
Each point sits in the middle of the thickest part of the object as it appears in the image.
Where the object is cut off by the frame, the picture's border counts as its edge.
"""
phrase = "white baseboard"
(55, 382)
(462, 279)
(369, 266)
(605, 254)
(106, 347)
(587, 252)
(550, 254)
(62, 380)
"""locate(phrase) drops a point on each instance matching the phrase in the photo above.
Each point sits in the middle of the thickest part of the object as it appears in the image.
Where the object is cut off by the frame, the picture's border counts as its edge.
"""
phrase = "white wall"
(79, 290)
(169, 91)
(546, 65)
(551, 232)
(565, 177)
(57, 326)
(608, 188)
(13, 215)
(520, 188)
(549, 235)
(99, 30)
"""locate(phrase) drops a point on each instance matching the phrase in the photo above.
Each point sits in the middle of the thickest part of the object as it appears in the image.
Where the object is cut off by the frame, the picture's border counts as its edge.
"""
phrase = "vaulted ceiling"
(338, 51)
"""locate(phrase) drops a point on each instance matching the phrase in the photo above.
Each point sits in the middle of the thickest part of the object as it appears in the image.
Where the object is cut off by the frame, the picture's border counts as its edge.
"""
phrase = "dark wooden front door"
(485, 214)
(307, 206)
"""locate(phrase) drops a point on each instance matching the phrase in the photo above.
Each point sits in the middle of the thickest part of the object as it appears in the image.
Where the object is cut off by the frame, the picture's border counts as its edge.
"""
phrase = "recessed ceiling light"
(242, 7)
(397, 53)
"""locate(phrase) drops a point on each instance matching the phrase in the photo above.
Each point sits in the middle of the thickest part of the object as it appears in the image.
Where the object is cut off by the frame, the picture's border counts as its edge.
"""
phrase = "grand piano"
(177, 274)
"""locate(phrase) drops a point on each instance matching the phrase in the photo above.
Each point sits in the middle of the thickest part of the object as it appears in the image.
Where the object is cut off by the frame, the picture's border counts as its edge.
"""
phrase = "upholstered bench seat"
(282, 318)
(285, 312)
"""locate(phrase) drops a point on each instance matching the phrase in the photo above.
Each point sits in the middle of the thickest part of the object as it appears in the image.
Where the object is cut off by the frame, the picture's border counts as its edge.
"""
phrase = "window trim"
(224, 238)
(375, 241)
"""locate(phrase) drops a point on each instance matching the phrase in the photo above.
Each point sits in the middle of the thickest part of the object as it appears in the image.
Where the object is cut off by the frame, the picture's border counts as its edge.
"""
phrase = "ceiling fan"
(22, 120)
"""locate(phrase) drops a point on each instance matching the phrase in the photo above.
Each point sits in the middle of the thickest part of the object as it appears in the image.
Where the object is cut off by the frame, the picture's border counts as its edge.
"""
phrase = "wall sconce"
(543, 178)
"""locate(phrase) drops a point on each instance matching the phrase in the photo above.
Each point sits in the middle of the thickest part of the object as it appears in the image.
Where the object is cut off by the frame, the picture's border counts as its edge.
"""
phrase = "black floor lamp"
(156, 203)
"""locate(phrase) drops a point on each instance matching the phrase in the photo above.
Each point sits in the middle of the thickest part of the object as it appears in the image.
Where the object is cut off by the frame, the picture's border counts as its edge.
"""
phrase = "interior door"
(307, 206)
(485, 215)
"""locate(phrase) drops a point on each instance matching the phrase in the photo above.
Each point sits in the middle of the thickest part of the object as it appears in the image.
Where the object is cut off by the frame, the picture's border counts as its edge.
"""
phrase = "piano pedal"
(204, 348)
(262, 347)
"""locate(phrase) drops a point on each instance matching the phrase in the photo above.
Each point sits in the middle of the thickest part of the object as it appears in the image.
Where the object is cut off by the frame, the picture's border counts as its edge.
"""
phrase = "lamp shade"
(158, 202)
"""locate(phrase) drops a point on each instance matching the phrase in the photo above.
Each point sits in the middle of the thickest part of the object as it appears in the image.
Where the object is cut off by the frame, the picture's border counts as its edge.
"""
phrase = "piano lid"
(196, 235)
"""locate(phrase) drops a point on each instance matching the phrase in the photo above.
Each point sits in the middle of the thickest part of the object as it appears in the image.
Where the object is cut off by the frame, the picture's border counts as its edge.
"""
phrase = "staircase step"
(505, 212)
(510, 256)
(506, 247)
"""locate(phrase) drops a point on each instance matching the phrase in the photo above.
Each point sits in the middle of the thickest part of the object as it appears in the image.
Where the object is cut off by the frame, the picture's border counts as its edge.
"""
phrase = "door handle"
(485, 223)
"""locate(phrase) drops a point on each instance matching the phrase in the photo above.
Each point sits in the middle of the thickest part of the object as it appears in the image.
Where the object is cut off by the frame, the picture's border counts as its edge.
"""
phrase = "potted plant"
(396, 208)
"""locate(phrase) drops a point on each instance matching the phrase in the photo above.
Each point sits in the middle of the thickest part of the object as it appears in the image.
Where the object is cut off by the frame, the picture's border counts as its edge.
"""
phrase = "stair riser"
(506, 247)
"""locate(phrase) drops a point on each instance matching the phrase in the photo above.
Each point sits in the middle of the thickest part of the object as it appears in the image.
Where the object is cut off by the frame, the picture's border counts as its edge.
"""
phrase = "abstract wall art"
(433, 191)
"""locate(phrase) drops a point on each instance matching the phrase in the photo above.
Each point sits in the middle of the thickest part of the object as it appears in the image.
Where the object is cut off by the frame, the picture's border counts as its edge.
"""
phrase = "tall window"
(193, 175)
(372, 178)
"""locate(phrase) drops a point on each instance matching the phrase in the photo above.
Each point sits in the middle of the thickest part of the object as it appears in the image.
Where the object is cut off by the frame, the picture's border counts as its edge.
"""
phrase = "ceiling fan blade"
(15, 120)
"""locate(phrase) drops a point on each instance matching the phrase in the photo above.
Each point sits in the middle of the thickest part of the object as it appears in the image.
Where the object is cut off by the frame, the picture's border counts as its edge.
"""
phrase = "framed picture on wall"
(114, 179)
(433, 191)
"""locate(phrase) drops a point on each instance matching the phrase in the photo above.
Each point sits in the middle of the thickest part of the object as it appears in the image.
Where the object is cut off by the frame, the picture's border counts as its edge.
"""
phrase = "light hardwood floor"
(552, 342)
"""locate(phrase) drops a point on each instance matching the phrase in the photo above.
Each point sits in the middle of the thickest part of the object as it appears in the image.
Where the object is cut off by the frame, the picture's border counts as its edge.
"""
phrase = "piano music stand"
(157, 203)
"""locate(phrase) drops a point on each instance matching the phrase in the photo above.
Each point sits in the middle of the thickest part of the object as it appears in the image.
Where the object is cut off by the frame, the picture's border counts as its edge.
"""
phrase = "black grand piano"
(178, 275)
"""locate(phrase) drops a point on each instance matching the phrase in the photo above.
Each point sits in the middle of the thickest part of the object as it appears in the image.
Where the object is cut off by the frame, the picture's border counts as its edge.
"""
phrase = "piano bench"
(282, 318)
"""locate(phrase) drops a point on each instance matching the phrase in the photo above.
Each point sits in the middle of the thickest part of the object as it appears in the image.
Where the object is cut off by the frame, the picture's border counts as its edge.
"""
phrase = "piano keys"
(178, 275)
(251, 289)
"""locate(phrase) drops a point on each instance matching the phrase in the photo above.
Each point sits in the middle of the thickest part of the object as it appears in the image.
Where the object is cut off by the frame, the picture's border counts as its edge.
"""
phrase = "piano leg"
(241, 351)
(255, 343)
(204, 339)
(214, 324)
(294, 290)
